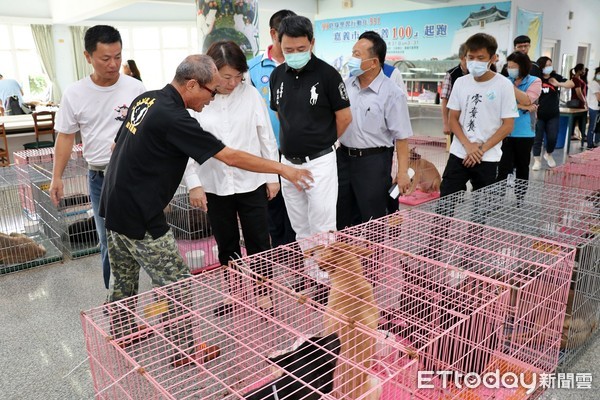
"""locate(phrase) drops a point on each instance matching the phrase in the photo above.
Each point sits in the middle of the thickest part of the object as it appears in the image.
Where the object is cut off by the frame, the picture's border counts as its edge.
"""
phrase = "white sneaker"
(537, 164)
(550, 160)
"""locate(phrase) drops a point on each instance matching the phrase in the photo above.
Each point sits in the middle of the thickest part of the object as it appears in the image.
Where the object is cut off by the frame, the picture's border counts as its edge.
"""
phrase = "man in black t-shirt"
(150, 156)
(522, 44)
(311, 100)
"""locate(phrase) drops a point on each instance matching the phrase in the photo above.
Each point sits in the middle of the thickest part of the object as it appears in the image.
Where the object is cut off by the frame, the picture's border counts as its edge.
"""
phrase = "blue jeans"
(550, 128)
(591, 126)
(96, 178)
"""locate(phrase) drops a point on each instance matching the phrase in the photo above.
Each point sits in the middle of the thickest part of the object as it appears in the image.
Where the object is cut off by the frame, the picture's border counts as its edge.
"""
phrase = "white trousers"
(313, 210)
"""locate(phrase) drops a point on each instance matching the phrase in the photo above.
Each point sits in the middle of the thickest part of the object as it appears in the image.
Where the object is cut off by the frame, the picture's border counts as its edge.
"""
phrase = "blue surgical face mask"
(547, 70)
(354, 66)
(513, 73)
(477, 68)
(297, 60)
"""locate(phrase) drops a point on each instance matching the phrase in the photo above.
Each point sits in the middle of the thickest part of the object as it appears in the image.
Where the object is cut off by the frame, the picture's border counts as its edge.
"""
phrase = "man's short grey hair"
(197, 66)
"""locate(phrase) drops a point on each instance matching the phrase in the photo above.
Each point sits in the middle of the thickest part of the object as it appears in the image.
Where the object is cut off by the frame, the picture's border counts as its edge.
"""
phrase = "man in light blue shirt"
(380, 121)
(9, 87)
(260, 68)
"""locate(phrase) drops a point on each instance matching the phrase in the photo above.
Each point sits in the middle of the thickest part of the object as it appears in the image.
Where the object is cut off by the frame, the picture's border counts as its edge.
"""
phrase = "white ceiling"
(72, 12)
(80, 11)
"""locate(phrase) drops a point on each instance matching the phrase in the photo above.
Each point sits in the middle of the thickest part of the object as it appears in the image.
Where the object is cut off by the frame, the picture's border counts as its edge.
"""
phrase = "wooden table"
(21, 125)
(19, 130)
(571, 113)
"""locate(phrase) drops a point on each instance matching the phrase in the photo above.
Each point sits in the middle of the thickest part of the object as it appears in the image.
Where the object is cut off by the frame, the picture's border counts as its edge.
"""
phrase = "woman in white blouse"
(238, 116)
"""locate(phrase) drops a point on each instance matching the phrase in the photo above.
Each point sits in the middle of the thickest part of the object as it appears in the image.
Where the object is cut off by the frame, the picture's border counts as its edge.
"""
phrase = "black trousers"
(363, 185)
(280, 228)
(456, 175)
(223, 212)
(516, 153)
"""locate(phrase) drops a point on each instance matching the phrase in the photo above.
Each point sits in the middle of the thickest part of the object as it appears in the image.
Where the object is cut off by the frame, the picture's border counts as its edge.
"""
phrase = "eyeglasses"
(213, 92)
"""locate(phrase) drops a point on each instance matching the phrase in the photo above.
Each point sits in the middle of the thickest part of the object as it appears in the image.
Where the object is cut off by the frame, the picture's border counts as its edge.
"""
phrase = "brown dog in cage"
(17, 248)
(427, 178)
(351, 313)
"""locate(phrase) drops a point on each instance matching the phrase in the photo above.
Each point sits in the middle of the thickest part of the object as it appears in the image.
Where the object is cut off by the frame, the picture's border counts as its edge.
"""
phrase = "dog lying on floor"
(427, 178)
(351, 302)
(18, 248)
(313, 363)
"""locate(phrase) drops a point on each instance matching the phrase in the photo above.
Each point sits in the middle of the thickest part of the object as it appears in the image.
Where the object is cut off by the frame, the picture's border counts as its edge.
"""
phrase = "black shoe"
(223, 309)
(593, 146)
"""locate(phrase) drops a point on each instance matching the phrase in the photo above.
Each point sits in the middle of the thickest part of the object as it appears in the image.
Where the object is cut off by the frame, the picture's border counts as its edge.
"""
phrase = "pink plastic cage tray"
(432, 150)
(261, 325)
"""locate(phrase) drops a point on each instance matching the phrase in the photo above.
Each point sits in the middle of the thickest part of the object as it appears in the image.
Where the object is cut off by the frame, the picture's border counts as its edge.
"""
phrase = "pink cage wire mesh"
(265, 322)
(584, 175)
(562, 214)
(33, 157)
(586, 156)
(537, 272)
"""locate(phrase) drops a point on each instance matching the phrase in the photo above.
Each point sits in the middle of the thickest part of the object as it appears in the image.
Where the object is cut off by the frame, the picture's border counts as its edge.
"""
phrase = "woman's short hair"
(227, 52)
(522, 60)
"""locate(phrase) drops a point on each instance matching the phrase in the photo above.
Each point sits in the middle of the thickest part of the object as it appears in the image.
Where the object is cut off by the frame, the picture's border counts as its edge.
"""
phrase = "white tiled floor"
(42, 350)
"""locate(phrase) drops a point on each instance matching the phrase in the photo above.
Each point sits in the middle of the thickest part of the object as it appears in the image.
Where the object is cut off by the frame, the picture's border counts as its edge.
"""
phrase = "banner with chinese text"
(433, 34)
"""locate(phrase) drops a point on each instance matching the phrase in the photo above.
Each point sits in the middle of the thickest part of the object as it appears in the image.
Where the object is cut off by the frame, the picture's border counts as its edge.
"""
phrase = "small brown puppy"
(427, 178)
(351, 310)
(17, 248)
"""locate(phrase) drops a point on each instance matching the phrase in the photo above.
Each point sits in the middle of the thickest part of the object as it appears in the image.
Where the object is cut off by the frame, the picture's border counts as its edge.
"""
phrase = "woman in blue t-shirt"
(516, 148)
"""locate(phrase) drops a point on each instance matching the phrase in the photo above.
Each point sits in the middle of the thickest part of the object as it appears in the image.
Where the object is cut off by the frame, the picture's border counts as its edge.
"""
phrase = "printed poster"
(416, 37)
(235, 20)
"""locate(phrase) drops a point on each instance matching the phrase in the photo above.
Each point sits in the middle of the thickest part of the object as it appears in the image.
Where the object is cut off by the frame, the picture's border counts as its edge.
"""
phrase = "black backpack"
(12, 106)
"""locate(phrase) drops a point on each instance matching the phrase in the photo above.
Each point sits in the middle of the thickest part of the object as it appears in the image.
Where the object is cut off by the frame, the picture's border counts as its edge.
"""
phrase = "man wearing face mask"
(380, 120)
(314, 111)
(482, 112)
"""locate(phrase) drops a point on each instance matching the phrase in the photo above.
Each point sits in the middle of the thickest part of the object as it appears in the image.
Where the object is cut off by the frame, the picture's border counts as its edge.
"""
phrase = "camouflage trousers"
(159, 257)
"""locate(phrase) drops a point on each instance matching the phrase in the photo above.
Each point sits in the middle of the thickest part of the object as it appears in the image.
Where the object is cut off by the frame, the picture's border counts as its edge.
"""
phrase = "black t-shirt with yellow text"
(152, 149)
